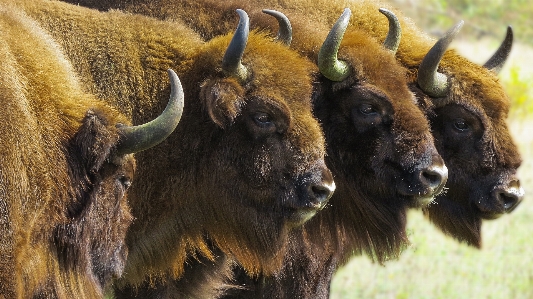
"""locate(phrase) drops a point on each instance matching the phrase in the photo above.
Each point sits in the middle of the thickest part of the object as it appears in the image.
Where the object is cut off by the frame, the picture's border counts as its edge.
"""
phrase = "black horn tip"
(498, 59)
(285, 29)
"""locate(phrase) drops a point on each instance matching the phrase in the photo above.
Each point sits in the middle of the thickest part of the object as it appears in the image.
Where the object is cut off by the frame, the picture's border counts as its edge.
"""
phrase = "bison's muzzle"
(503, 199)
(511, 196)
(426, 182)
(313, 194)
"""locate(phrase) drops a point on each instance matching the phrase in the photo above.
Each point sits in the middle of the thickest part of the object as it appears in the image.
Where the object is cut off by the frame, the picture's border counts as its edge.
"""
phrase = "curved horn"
(392, 41)
(138, 138)
(285, 28)
(430, 81)
(495, 63)
(231, 63)
(328, 64)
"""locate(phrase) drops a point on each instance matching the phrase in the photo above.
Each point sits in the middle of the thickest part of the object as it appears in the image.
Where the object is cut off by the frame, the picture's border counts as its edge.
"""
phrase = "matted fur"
(218, 177)
(57, 169)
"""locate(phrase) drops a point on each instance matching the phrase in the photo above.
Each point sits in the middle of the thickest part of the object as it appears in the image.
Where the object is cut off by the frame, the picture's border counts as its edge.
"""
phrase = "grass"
(436, 266)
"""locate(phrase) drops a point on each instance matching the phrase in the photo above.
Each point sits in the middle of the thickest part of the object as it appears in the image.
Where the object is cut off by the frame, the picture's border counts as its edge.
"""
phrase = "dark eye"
(125, 181)
(460, 125)
(263, 120)
(367, 109)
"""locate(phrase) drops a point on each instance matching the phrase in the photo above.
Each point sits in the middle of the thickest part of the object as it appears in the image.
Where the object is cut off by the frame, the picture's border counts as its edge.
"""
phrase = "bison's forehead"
(476, 86)
(479, 91)
(278, 70)
(275, 71)
(375, 66)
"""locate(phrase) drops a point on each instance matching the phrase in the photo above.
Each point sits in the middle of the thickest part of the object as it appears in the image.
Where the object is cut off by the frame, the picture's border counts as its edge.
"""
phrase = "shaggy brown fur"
(220, 175)
(475, 89)
(365, 215)
(476, 96)
(62, 204)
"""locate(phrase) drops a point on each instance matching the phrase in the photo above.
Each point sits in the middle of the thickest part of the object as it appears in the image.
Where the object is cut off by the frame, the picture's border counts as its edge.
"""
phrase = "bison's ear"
(223, 100)
(95, 140)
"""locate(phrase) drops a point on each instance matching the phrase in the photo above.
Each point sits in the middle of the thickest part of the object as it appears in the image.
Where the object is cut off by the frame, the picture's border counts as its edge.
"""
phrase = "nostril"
(432, 178)
(321, 193)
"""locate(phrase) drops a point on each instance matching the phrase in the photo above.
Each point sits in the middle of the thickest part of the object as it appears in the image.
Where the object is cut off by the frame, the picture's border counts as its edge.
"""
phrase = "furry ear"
(223, 99)
(95, 140)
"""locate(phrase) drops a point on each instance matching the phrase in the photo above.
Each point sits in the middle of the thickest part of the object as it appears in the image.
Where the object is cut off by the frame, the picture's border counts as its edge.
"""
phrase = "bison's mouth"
(487, 215)
(419, 201)
(424, 198)
(297, 217)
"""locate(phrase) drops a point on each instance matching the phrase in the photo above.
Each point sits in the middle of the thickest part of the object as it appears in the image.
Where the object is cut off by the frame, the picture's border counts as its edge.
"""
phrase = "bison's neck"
(121, 58)
(355, 222)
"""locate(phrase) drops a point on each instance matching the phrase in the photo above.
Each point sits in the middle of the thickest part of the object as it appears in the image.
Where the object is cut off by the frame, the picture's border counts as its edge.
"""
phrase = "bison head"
(379, 142)
(93, 238)
(467, 108)
(246, 164)
(269, 150)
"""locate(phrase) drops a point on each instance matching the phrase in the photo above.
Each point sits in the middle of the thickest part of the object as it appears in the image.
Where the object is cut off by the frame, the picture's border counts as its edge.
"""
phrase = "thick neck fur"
(43, 106)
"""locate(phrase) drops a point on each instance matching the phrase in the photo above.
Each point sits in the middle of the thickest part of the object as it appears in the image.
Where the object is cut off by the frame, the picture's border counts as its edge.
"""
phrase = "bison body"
(246, 163)
(475, 193)
(379, 148)
(58, 167)
(482, 161)
(66, 164)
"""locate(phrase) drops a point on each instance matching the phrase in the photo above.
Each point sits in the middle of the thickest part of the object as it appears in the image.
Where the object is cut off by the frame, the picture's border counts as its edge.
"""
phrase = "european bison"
(468, 119)
(65, 165)
(483, 182)
(376, 137)
(246, 163)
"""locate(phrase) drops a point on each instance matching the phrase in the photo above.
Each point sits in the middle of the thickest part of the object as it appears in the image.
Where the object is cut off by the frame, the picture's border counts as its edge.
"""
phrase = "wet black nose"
(510, 197)
(433, 178)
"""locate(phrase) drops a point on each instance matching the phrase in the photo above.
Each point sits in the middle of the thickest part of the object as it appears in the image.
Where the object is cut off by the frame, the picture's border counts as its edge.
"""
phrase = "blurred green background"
(436, 266)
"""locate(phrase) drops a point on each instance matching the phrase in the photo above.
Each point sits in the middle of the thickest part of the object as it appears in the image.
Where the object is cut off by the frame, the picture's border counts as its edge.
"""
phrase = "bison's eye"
(263, 120)
(125, 181)
(367, 109)
(460, 125)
